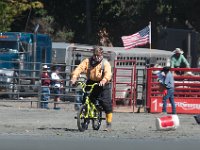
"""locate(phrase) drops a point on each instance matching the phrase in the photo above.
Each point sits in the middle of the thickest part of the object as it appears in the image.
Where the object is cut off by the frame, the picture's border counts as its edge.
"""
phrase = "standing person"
(56, 85)
(179, 61)
(93, 68)
(45, 87)
(167, 81)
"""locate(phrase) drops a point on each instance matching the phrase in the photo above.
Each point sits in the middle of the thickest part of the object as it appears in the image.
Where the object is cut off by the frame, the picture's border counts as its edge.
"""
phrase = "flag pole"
(150, 35)
(150, 39)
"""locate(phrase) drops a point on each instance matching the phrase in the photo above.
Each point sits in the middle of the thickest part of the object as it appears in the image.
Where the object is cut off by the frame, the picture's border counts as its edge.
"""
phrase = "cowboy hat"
(45, 67)
(178, 50)
(156, 66)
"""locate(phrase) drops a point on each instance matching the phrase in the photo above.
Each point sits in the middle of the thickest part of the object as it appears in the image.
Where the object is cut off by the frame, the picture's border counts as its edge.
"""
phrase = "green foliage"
(81, 20)
(46, 24)
(11, 9)
(64, 36)
(5, 17)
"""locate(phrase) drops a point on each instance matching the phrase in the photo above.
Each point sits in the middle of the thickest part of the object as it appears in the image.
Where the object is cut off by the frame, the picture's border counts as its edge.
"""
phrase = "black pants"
(102, 94)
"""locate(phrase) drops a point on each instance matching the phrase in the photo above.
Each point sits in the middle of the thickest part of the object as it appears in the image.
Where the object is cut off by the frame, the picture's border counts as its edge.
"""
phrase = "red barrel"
(167, 122)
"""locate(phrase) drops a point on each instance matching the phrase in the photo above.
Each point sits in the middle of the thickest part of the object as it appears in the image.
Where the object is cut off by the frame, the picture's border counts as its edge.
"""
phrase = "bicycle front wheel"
(96, 122)
(82, 122)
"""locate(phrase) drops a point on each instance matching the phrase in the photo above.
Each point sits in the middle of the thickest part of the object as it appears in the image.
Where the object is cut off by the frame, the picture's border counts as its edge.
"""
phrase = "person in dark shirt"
(45, 92)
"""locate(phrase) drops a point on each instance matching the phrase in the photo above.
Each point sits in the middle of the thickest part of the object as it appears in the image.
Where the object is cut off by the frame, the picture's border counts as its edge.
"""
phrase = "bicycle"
(89, 111)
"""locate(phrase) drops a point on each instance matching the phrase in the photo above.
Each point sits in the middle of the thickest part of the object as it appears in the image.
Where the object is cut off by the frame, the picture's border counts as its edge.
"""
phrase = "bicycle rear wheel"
(82, 122)
(96, 123)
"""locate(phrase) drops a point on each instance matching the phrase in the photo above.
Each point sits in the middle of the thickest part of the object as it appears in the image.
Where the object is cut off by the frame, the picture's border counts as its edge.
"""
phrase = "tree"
(12, 9)
(80, 21)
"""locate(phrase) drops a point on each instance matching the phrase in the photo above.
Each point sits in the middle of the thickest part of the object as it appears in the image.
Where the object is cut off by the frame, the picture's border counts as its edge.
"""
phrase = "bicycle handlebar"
(84, 85)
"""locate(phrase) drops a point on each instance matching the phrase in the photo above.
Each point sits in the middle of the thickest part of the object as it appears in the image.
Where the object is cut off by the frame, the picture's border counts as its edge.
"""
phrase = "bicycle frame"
(91, 108)
(88, 111)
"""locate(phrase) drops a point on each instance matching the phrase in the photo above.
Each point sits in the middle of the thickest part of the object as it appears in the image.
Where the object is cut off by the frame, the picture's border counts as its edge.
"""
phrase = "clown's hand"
(73, 81)
(102, 82)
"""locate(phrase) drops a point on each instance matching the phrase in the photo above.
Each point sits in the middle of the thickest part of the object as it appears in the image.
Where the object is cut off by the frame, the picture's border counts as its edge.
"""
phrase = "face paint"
(178, 54)
(97, 58)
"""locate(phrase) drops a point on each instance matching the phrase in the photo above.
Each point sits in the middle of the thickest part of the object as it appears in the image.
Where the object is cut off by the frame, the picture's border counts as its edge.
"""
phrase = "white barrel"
(169, 122)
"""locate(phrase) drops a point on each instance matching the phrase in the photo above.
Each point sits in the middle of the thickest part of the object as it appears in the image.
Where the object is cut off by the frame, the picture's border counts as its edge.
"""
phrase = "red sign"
(183, 105)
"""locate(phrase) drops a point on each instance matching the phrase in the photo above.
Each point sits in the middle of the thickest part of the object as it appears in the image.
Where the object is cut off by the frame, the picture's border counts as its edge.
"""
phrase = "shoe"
(108, 127)
(163, 113)
(56, 108)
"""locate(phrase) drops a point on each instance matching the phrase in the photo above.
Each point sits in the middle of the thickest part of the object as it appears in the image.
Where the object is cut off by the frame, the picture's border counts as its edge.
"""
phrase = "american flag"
(140, 38)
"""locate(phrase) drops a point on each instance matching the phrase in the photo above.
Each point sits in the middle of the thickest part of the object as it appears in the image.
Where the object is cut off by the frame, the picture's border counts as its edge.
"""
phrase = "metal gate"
(124, 85)
(186, 95)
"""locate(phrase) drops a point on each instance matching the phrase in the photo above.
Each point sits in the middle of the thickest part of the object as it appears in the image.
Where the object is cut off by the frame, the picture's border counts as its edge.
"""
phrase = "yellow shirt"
(95, 72)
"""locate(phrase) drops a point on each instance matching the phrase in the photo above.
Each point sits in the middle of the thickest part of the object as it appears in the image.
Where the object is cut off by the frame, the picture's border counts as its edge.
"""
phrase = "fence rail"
(18, 84)
(187, 95)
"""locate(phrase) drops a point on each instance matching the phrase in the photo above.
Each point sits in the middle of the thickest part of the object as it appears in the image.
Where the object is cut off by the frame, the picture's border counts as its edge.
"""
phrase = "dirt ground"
(19, 118)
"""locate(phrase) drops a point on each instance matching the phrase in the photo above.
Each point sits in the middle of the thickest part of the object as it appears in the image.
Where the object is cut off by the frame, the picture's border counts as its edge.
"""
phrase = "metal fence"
(24, 84)
(186, 95)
